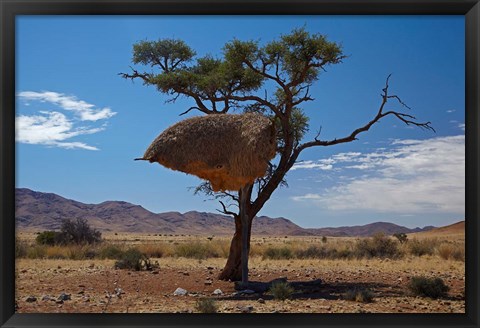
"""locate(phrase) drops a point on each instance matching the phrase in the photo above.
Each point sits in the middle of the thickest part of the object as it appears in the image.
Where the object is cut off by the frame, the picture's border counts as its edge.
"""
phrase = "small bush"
(110, 251)
(428, 287)
(402, 237)
(21, 249)
(206, 305)
(78, 232)
(359, 295)
(48, 238)
(324, 239)
(79, 252)
(36, 252)
(278, 253)
(378, 245)
(422, 247)
(133, 259)
(445, 251)
(281, 290)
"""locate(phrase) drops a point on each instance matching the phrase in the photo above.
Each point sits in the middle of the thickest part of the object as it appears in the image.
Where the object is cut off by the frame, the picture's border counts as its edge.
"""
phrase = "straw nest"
(229, 150)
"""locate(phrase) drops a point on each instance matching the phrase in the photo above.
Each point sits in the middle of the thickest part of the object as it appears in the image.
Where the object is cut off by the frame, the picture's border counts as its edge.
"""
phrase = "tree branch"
(225, 211)
(406, 118)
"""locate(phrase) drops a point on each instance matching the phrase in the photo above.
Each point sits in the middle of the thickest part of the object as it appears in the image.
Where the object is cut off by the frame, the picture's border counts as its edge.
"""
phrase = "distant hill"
(44, 211)
(366, 230)
(456, 229)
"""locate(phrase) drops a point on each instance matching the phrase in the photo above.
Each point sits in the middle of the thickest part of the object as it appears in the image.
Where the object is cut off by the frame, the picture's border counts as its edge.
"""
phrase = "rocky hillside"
(45, 211)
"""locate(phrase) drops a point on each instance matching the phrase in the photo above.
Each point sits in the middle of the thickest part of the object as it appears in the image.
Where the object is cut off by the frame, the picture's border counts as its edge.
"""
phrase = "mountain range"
(38, 211)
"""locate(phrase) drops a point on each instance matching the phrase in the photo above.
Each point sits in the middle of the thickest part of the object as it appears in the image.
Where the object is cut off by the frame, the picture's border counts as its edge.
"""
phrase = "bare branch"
(185, 112)
(406, 118)
(225, 211)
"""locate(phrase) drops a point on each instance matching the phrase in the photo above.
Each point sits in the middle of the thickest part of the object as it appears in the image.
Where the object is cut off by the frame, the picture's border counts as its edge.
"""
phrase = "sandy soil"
(95, 286)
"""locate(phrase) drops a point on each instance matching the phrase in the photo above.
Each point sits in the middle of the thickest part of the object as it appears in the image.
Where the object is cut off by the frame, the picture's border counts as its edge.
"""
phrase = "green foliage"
(77, 232)
(111, 251)
(169, 54)
(281, 290)
(402, 237)
(48, 238)
(359, 295)
(206, 305)
(133, 259)
(428, 287)
(378, 245)
(278, 253)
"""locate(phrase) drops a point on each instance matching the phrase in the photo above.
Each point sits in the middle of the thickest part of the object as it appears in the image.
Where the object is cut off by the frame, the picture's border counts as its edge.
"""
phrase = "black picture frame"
(9, 9)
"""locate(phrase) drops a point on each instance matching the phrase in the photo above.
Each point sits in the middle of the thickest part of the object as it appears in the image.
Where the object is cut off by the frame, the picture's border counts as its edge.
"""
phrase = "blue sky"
(79, 125)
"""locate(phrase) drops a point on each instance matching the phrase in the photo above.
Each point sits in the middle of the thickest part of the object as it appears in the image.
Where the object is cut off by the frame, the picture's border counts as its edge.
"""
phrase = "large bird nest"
(229, 150)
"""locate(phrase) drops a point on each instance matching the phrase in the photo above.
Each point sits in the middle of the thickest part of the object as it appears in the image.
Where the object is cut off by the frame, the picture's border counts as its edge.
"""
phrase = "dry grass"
(267, 248)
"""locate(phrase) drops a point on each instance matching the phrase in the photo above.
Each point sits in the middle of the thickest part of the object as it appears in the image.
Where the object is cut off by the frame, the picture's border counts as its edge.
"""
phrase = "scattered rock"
(217, 292)
(30, 299)
(245, 309)
(155, 272)
(261, 301)
(210, 268)
(208, 282)
(64, 297)
(180, 292)
(46, 298)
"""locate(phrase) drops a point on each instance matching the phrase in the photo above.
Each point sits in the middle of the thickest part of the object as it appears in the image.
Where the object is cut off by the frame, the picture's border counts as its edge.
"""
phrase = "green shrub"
(359, 295)
(278, 253)
(206, 305)
(48, 238)
(378, 245)
(428, 287)
(133, 259)
(110, 251)
(281, 290)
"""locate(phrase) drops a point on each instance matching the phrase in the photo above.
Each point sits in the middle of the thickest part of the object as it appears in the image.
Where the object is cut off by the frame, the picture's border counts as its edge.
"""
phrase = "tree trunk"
(233, 268)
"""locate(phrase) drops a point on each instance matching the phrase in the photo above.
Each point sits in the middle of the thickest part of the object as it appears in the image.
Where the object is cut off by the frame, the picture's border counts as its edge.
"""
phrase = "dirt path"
(94, 286)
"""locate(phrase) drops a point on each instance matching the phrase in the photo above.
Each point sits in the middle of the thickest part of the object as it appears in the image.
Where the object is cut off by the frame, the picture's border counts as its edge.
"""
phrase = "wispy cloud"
(84, 110)
(53, 128)
(451, 111)
(415, 176)
(462, 126)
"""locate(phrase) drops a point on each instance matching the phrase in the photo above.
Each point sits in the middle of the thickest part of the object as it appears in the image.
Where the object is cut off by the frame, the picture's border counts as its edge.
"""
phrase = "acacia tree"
(273, 79)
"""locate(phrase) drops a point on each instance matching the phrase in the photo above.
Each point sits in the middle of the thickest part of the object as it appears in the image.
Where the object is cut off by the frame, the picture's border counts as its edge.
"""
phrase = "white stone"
(180, 292)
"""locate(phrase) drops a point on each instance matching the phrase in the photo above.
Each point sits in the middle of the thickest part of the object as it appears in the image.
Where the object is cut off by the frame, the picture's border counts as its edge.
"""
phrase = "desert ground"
(50, 283)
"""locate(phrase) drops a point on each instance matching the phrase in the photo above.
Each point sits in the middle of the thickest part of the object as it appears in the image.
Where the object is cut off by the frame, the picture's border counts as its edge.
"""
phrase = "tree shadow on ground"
(312, 289)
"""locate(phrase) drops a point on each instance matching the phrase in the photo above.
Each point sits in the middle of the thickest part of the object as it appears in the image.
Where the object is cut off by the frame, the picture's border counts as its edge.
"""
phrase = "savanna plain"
(154, 273)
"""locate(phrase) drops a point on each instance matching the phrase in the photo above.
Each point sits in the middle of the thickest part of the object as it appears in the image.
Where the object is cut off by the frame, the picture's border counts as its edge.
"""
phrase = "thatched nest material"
(229, 150)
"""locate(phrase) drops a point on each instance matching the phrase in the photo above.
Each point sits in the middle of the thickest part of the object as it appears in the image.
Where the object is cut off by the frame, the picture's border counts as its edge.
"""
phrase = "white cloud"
(320, 165)
(85, 111)
(53, 128)
(50, 128)
(451, 111)
(462, 126)
(416, 176)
